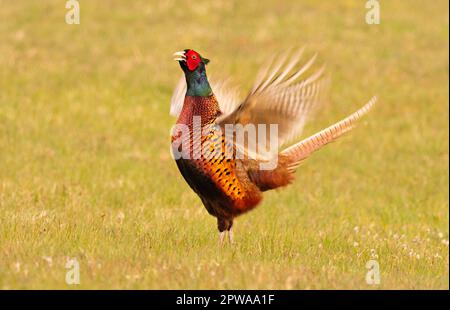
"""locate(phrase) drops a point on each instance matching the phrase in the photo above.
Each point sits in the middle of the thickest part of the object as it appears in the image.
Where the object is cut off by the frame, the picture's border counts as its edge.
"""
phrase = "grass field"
(86, 173)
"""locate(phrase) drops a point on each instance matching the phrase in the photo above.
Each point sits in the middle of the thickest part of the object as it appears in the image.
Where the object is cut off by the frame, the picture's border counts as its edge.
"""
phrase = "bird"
(228, 175)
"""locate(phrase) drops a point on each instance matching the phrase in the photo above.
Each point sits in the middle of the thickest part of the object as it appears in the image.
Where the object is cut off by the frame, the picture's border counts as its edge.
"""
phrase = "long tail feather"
(301, 150)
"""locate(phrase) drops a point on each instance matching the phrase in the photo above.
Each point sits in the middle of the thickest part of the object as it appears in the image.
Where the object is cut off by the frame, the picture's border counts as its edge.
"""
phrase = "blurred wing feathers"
(279, 96)
(177, 100)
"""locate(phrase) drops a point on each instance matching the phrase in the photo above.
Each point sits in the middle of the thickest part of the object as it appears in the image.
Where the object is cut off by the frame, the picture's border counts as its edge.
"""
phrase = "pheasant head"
(193, 66)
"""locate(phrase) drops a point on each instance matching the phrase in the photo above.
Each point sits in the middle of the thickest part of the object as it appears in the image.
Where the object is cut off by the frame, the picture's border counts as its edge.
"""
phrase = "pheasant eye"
(194, 57)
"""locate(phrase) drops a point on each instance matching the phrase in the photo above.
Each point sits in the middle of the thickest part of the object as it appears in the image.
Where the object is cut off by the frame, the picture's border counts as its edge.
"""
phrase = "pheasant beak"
(179, 56)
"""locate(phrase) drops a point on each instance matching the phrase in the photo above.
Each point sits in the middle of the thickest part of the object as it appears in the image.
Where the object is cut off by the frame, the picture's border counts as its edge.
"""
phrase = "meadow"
(86, 172)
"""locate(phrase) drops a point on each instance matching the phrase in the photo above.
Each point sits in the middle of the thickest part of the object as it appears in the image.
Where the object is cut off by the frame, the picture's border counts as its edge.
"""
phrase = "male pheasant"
(227, 175)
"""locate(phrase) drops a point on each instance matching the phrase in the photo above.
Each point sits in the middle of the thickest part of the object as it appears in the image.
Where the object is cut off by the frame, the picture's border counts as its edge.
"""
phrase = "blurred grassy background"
(85, 169)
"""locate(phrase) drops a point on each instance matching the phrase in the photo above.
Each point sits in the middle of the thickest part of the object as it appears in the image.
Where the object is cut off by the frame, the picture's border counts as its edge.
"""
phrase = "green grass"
(85, 169)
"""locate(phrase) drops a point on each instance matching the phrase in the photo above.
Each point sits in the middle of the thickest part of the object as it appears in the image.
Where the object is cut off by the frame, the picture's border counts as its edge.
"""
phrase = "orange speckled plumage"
(225, 190)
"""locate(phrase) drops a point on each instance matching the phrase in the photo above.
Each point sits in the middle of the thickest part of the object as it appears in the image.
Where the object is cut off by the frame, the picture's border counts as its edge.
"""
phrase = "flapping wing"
(177, 100)
(281, 95)
(226, 95)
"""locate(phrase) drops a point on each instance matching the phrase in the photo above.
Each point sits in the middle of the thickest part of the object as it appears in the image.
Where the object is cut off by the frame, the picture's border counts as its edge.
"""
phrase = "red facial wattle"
(193, 59)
